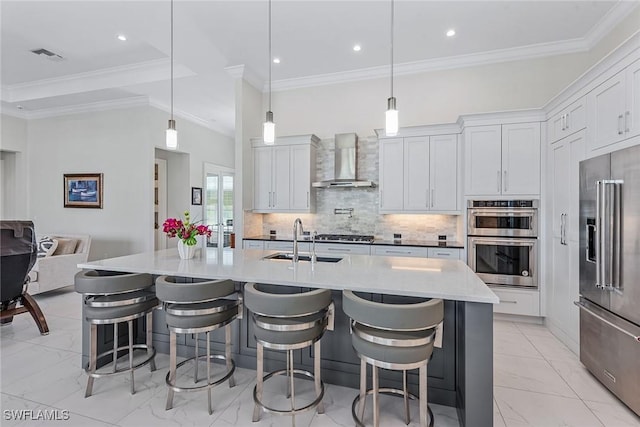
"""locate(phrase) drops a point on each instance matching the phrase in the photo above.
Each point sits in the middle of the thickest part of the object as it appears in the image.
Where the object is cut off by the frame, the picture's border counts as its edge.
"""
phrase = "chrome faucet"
(297, 222)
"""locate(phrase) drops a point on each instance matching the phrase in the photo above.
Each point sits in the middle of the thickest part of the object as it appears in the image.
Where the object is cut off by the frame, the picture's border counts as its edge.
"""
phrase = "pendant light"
(268, 127)
(171, 133)
(391, 116)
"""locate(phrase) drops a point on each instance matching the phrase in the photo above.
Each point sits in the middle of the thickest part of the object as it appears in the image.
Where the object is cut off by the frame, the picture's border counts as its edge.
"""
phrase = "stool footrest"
(208, 385)
(388, 391)
(289, 411)
(125, 368)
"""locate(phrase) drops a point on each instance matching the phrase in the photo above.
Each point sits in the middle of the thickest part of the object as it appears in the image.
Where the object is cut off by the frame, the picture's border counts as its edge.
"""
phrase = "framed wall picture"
(83, 190)
(196, 195)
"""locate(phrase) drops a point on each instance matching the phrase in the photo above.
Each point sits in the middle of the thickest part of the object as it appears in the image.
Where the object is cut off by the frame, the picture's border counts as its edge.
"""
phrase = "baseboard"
(519, 318)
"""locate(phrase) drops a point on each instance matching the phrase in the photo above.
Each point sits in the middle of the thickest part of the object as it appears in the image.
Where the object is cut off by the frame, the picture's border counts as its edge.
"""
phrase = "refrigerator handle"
(616, 236)
(584, 307)
(598, 235)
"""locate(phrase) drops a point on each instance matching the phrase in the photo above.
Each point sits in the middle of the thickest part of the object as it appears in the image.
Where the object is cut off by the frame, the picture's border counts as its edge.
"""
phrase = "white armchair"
(57, 271)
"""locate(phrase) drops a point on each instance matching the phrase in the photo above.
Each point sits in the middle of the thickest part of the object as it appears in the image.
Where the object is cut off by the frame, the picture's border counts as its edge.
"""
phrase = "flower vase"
(186, 251)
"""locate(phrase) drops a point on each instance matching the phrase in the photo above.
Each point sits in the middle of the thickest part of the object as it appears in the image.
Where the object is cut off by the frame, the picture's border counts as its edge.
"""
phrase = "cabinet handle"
(566, 121)
(498, 181)
(443, 254)
(620, 125)
(505, 181)
(428, 200)
(562, 126)
(275, 199)
(307, 199)
(398, 252)
(433, 196)
(269, 198)
(627, 117)
(508, 301)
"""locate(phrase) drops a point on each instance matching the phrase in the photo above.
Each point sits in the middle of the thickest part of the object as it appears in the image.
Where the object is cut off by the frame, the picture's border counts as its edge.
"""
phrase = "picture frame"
(196, 196)
(83, 190)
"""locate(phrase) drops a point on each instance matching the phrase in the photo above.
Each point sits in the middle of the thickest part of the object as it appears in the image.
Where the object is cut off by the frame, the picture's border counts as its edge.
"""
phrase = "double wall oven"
(503, 241)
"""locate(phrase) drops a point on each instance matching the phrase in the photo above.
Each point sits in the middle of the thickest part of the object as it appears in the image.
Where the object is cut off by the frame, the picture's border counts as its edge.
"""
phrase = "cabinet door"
(300, 177)
(561, 292)
(262, 197)
(416, 173)
(555, 127)
(443, 170)
(521, 158)
(577, 153)
(607, 105)
(559, 185)
(632, 114)
(281, 192)
(444, 253)
(483, 160)
(575, 116)
(391, 175)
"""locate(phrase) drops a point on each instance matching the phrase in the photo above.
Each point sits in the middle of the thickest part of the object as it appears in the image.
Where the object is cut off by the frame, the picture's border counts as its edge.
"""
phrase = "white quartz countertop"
(420, 277)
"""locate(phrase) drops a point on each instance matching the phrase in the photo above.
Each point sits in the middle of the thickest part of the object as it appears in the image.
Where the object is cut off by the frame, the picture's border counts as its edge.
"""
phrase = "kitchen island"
(460, 373)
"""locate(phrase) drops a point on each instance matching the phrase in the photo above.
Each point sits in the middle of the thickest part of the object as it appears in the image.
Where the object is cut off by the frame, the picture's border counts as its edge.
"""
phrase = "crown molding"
(502, 117)
(131, 102)
(423, 130)
(10, 110)
(211, 125)
(609, 21)
(108, 78)
(243, 72)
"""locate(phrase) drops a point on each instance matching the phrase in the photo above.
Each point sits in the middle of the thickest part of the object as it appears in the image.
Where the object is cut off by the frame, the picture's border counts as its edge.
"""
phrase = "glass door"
(219, 206)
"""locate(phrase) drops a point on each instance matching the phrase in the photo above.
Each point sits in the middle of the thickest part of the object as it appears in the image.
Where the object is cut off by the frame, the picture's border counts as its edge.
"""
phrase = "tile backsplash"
(364, 218)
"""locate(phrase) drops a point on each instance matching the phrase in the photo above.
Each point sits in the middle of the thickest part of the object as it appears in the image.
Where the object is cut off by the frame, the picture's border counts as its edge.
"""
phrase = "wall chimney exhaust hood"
(345, 164)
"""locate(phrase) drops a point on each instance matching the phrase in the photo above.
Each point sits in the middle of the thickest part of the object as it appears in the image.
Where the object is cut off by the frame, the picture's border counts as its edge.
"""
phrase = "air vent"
(48, 54)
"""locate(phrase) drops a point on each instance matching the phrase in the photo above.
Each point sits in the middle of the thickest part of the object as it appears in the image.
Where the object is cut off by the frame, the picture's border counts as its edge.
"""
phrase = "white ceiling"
(314, 39)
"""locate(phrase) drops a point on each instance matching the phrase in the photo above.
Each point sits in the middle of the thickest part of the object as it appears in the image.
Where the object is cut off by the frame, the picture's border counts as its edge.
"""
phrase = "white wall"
(13, 144)
(120, 144)
(439, 96)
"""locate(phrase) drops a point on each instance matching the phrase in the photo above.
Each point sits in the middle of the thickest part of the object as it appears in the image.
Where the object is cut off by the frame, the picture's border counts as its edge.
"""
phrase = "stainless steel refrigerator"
(610, 272)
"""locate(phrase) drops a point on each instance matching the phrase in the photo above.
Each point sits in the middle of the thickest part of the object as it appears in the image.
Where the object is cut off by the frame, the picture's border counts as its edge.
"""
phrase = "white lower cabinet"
(409, 251)
(515, 301)
(279, 245)
(253, 244)
(444, 253)
(343, 248)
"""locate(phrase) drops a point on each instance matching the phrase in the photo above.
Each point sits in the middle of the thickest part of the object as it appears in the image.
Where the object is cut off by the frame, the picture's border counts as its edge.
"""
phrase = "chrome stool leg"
(93, 355)
(115, 347)
(209, 373)
(259, 380)
(227, 353)
(316, 374)
(149, 330)
(172, 368)
(424, 416)
(363, 386)
(288, 395)
(293, 393)
(196, 361)
(376, 396)
(133, 387)
(407, 416)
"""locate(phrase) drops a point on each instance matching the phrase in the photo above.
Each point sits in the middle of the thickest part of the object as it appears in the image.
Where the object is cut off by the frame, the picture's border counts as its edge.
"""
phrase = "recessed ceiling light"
(357, 48)
(122, 37)
(19, 107)
(276, 60)
(451, 33)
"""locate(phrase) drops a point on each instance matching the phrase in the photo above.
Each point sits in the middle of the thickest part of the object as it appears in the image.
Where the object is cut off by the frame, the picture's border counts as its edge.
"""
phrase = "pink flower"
(186, 231)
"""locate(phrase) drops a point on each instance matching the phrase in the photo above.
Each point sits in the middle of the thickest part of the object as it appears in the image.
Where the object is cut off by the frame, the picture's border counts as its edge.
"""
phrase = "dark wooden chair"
(18, 254)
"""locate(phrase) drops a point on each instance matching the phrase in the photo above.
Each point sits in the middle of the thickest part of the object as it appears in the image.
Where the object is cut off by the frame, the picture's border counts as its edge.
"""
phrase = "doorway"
(159, 203)
(218, 210)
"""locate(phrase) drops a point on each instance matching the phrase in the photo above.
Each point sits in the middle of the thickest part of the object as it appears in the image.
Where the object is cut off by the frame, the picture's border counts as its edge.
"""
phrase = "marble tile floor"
(538, 382)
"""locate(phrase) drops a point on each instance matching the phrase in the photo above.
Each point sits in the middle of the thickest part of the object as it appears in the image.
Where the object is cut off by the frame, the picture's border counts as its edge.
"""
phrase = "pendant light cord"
(392, 13)
(171, 59)
(270, 59)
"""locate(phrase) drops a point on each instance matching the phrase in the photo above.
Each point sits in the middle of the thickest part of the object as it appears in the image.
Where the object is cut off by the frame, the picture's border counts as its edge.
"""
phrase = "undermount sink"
(288, 256)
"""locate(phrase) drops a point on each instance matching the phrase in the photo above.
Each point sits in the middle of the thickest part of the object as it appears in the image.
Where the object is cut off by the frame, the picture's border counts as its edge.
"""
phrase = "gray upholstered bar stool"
(192, 308)
(288, 322)
(395, 337)
(112, 298)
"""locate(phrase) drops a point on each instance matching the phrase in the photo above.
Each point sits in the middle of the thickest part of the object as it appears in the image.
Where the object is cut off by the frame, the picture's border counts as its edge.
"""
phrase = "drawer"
(285, 246)
(444, 253)
(340, 248)
(410, 251)
(253, 244)
(525, 303)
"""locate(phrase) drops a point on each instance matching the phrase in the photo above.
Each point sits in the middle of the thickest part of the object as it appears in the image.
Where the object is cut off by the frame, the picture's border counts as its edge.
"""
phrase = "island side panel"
(474, 364)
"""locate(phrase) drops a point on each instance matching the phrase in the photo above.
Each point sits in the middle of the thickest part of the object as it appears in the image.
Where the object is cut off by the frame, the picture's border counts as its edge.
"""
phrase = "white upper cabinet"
(614, 108)
(568, 121)
(419, 174)
(283, 174)
(502, 160)
(521, 159)
(483, 160)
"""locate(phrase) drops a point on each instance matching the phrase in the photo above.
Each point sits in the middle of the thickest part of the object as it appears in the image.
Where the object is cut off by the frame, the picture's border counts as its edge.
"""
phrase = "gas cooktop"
(358, 238)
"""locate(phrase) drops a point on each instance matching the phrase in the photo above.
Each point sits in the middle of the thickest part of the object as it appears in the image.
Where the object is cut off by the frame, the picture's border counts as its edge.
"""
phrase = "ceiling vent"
(48, 55)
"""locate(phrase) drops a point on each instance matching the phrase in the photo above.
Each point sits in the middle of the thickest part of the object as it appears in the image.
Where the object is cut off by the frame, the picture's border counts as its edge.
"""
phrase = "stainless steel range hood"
(345, 164)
